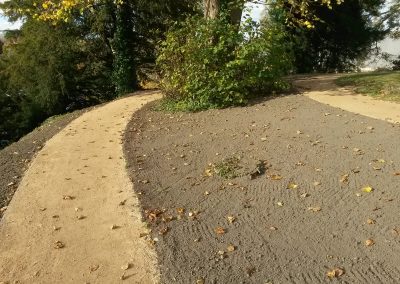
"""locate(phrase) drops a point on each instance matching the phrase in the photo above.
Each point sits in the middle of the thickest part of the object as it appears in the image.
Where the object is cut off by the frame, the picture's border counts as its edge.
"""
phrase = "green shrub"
(210, 64)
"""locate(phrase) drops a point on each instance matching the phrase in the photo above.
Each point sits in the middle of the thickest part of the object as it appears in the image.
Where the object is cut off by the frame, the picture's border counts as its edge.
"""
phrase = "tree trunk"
(211, 9)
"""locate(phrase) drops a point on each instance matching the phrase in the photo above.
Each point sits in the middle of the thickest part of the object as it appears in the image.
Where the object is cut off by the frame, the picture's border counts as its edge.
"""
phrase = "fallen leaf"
(113, 227)
(80, 217)
(371, 221)
(369, 242)
(356, 150)
(344, 178)
(304, 195)
(208, 172)
(200, 281)
(279, 204)
(94, 267)
(275, 177)
(220, 230)
(180, 210)
(231, 219)
(126, 266)
(231, 248)
(336, 272)
(316, 183)
(292, 186)
(59, 245)
(272, 228)
(367, 189)
(68, 197)
(314, 209)
(382, 161)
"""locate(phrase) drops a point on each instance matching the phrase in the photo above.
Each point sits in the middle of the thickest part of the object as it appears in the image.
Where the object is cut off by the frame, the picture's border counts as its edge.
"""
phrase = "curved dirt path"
(74, 217)
(323, 89)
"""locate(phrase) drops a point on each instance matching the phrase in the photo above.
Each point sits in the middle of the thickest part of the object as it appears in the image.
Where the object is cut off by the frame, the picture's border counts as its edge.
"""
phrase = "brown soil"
(15, 159)
(280, 233)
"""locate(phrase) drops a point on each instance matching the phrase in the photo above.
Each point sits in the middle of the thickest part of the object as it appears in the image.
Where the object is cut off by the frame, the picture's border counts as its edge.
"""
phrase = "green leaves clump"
(214, 64)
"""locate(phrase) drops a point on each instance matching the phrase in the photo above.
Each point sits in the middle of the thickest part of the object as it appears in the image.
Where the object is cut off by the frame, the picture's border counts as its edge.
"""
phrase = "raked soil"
(299, 207)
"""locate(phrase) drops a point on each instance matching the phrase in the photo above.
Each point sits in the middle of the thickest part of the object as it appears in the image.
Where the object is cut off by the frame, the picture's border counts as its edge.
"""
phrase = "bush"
(210, 64)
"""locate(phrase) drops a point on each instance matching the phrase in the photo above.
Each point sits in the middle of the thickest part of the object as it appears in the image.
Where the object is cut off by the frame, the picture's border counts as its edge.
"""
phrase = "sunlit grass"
(380, 85)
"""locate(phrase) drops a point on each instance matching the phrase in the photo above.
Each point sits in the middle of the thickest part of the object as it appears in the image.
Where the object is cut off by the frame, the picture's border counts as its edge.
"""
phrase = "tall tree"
(341, 37)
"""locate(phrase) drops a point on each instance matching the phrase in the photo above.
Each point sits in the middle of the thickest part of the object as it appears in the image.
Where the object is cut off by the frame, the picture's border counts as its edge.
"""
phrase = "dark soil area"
(283, 191)
(15, 158)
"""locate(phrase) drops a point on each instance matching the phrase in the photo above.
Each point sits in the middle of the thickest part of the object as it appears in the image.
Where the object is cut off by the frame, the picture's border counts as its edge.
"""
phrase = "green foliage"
(47, 70)
(124, 71)
(209, 64)
(342, 37)
(380, 85)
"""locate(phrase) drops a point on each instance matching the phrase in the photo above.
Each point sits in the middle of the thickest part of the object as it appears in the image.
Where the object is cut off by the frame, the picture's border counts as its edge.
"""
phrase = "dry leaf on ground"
(292, 185)
(231, 248)
(336, 272)
(275, 177)
(367, 189)
(220, 230)
(344, 178)
(369, 242)
(231, 219)
(314, 209)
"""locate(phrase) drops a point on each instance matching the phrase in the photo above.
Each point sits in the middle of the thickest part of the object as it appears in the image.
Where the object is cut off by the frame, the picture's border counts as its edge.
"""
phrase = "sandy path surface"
(323, 89)
(74, 217)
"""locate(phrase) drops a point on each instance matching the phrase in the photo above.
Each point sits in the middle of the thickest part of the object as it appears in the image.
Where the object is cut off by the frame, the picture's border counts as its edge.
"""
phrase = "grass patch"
(228, 168)
(380, 85)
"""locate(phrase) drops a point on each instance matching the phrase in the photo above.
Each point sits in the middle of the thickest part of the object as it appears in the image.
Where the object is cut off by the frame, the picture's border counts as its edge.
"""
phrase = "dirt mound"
(323, 203)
